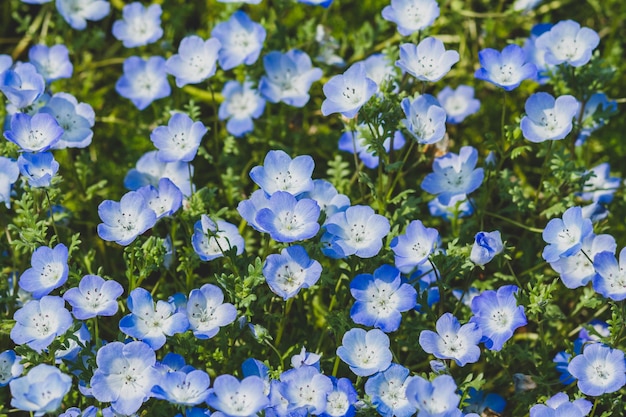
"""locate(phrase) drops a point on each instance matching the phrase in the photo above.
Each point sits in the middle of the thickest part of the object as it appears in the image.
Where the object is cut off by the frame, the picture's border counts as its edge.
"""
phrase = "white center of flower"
(50, 274)
(337, 403)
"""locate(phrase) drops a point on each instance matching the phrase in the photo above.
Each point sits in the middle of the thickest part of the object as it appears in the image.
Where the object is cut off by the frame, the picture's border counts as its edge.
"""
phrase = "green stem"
(281, 327)
(399, 174)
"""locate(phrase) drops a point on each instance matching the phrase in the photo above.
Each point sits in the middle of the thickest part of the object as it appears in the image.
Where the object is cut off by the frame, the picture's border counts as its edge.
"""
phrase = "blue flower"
(150, 170)
(49, 271)
(610, 275)
(211, 239)
(122, 222)
(486, 246)
(9, 173)
(291, 271)
(164, 200)
(348, 92)
(93, 297)
(39, 322)
(53, 63)
(22, 85)
(438, 398)
(414, 246)
(560, 405)
(454, 175)
(387, 390)
(179, 140)
(288, 77)
(566, 42)
(425, 119)
(497, 315)
(340, 402)
(308, 380)
(506, 69)
(77, 12)
(249, 208)
(547, 118)
(365, 352)
(232, 397)
(143, 81)
(355, 142)
(241, 40)
(41, 390)
(207, 311)
(195, 61)
(38, 168)
(183, 388)
(10, 367)
(564, 236)
(599, 370)
(427, 61)
(458, 103)
(380, 69)
(538, 56)
(125, 375)
(305, 358)
(597, 103)
(241, 104)
(281, 173)
(287, 219)
(34, 134)
(600, 187)
(75, 118)
(411, 15)
(327, 197)
(452, 341)
(139, 26)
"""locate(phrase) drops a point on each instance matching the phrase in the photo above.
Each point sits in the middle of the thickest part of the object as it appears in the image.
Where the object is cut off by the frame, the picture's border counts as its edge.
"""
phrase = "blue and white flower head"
(560, 405)
(49, 270)
(305, 358)
(599, 370)
(356, 142)
(425, 119)
(497, 315)
(411, 15)
(41, 390)
(75, 118)
(610, 280)
(506, 69)
(39, 322)
(123, 221)
(286, 274)
(288, 77)
(458, 103)
(179, 140)
(143, 81)
(564, 236)
(427, 61)
(77, 12)
(454, 175)
(52, 63)
(164, 200)
(287, 219)
(436, 398)
(149, 171)
(600, 187)
(93, 297)
(139, 25)
(10, 367)
(195, 61)
(341, 401)
(348, 92)
(241, 104)
(38, 168)
(22, 85)
(566, 42)
(249, 208)
(327, 197)
(414, 246)
(486, 246)
(365, 352)
(281, 173)
(305, 390)
(34, 134)
(380, 69)
(183, 388)
(241, 40)
(212, 239)
(547, 118)
(387, 390)
(9, 173)
(452, 341)
(231, 397)
(537, 56)
(597, 103)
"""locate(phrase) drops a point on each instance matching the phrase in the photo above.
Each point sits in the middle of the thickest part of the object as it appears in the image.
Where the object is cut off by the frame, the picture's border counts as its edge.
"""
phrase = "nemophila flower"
(411, 15)
(41, 390)
(577, 269)
(595, 113)
(195, 61)
(600, 186)
(348, 92)
(207, 311)
(234, 398)
(560, 405)
(53, 63)
(599, 370)
(281, 173)
(387, 391)
(380, 69)
(381, 298)
(139, 25)
(10, 367)
(356, 231)
(610, 280)
(77, 12)
(287, 219)
(340, 402)
(547, 118)
(125, 375)
(414, 246)
(186, 389)
(288, 77)
(355, 142)
(255, 367)
(327, 197)
(164, 200)
(75, 118)
(241, 104)
(454, 175)
(9, 173)
(427, 61)
(458, 103)
(144, 81)
(241, 40)
(365, 352)
(566, 42)
(497, 315)
(564, 236)
(436, 398)
(149, 171)
(179, 140)
(305, 389)
(93, 297)
(38, 168)
(49, 271)
(39, 322)
(535, 55)
(291, 271)
(248, 208)
(486, 246)
(149, 323)
(506, 69)
(34, 134)
(452, 341)
(123, 221)
(22, 84)
(425, 119)
(212, 239)
(305, 358)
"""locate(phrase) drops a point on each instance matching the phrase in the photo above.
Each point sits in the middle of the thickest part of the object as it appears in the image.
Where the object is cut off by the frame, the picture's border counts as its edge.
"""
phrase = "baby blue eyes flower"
(34, 134)
(347, 93)
(10, 367)
(547, 118)
(9, 173)
(195, 61)
(93, 297)
(39, 322)
(179, 140)
(414, 246)
(211, 239)
(452, 341)
(143, 81)
(458, 103)
(232, 397)
(22, 84)
(187, 389)
(53, 63)
(425, 119)
(49, 271)
(123, 221)
(564, 236)
(288, 77)
(438, 398)
(287, 219)
(387, 390)
(599, 370)
(77, 12)
(41, 391)
(291, 271)
(241, 104)
(241, 40)
(340, 402)
(281, 173)
(150, 170)
(305, 390)
(365, 352)
(486, 246)
(38, 168)
(207, 311)
(411, 15)
(139, 26)
(427, 61)
(164, 200)
(75, 118)
(506, 69)
(560, 405)
(566, 42)
(610, 280)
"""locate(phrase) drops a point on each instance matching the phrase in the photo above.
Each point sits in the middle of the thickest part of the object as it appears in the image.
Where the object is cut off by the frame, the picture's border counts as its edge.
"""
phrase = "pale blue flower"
(506, 69)
(566, 42)
(458, 103)
(436, 398)
(195, 61)
(49, 271)
(427, 61)
(232, 397)
(564, 236)
(411, 15)
(139, 25)
(183, 388)
(241, 104)
(207, 311)
(599, 370)
(610, 278)
(425, 119)
(348, 92)
(38, 168)
(287, 219)
(365, 352)
(280, 172)
(486, 246)
(150, 170)
(77, 12)
(76, 119)
(10, 367)
(547, 118)
(179, 140)
(387, 390)
(93, 297)
(414, 246)
(212, 239)
(53, 63)
(123, 221)
(9, 173)
(452, 341)
(291, 271)
(143, 81)
(22, 85)
(305, 390)
(288, 77)
(39, 322)
(41, 390)
(241, 40)
(34, 134)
